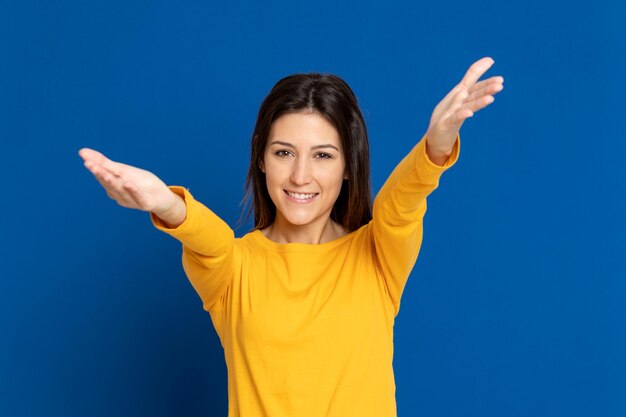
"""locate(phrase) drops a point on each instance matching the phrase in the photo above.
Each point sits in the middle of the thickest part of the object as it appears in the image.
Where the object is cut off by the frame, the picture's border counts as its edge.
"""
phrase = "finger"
(92, 155)
(104, 185)
(475, 71)
(445, 104)
(484, 83)
(126, 196)
(106, 179)
(478, 104)
(455, 119)
(113, 196)
(456, 102)
(98, 158)
(489, 89)
(93, 167)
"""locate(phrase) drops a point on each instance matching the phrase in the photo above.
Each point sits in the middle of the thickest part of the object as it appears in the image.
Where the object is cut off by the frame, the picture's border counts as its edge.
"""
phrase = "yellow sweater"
(307, 329)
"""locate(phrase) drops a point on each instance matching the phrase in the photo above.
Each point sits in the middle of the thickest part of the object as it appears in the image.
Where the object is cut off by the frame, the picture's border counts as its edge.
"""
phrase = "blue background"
(516, 305)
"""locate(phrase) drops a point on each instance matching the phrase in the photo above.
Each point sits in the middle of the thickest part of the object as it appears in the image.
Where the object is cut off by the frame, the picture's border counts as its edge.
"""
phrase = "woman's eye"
(284, 153)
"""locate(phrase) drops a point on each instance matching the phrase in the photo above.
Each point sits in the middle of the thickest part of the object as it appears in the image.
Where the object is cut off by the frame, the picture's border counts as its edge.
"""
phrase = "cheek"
(272, 190)
(273, 178)
(332, 177)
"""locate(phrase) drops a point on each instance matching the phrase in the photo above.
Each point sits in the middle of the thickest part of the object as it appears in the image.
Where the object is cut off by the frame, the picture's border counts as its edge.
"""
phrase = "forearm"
(201, 230)
(416, 176)
(399, 208)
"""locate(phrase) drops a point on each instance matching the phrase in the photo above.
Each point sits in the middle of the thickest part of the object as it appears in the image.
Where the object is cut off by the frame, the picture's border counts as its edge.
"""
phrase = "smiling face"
(304, 168)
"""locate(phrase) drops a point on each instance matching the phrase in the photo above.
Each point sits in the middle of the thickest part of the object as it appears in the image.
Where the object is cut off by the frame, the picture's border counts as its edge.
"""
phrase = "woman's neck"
(310, 234)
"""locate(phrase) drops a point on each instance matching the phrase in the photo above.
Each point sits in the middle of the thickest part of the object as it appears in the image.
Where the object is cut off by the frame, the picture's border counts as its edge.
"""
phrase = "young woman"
(305, 303)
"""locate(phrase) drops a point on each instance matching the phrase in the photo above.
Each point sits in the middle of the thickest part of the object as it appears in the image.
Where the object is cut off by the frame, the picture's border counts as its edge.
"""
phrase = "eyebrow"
(328, 145)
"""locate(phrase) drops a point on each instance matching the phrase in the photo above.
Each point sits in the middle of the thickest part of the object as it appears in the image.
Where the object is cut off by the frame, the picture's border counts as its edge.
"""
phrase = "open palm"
(130, 186)
(466, 98)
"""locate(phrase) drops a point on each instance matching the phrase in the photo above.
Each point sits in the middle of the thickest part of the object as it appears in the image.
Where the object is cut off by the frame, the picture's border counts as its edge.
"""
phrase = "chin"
(298, 222)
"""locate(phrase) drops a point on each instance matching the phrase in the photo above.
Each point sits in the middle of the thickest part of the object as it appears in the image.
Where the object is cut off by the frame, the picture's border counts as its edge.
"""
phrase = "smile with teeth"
(299, 196)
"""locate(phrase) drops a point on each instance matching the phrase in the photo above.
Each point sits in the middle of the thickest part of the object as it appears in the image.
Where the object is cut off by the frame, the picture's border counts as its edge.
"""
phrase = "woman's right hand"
(134, 187)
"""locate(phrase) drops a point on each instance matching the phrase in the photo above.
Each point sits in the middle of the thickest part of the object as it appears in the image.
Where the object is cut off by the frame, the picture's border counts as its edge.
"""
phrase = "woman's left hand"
(466, 98)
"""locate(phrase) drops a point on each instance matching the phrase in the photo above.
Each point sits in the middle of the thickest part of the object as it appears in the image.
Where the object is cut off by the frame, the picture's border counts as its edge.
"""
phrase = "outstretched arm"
(396, 227)
(207, 240)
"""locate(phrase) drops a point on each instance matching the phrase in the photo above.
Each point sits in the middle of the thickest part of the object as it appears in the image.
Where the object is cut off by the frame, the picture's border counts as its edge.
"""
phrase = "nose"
(301, 171)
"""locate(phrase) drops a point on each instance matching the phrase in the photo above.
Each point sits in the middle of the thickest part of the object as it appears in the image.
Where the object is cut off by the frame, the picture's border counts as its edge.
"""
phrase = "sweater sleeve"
(396, 227)
(208, 245)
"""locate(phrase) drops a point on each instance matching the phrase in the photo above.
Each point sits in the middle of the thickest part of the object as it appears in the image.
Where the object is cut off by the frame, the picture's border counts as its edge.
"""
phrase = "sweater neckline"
(300, 247)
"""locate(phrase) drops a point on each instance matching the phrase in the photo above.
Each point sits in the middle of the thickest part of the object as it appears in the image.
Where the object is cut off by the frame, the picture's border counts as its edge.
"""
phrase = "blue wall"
(516, 305)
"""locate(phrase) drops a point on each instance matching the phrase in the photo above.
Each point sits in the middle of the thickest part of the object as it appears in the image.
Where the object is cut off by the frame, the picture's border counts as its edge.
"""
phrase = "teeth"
(301, 196)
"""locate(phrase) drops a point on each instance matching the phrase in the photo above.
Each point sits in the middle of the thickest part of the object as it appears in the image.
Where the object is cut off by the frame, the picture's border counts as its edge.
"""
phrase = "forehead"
(304, 128)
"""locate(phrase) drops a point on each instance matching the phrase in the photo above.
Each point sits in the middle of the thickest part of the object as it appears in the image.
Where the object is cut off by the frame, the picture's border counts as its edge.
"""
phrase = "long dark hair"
(331, 97)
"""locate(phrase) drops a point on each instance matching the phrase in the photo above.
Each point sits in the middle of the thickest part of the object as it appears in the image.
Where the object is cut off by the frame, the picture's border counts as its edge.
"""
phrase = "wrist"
(175, 214)
(437, 156)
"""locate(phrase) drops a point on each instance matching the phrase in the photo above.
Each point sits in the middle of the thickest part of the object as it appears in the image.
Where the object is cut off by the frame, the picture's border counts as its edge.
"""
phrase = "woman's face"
(304, 168)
